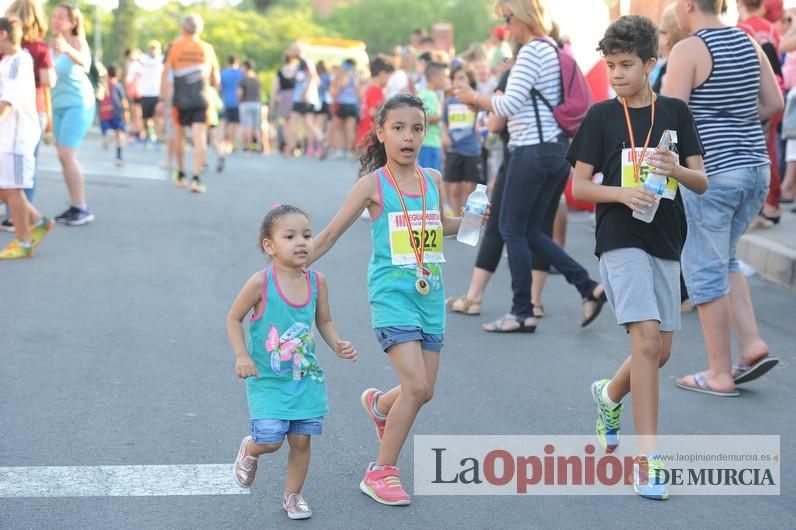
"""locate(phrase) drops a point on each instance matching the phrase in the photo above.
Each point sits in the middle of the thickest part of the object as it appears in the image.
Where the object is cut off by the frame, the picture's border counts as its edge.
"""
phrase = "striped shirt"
(537, 66)
(725, 106)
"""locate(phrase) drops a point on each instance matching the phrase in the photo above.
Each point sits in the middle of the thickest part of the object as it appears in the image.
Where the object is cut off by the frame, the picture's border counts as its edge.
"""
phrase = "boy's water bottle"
(655, 184)
(470, 229)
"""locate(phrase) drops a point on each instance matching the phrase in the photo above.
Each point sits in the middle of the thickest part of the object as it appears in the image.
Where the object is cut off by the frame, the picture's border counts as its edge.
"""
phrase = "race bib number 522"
(431, 240)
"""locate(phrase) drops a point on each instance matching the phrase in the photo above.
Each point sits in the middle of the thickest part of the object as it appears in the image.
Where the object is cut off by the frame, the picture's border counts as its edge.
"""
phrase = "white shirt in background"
(19, 130)
(151, 69)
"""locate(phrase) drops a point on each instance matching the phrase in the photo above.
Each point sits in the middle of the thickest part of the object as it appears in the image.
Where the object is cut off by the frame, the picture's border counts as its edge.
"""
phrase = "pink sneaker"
(384, 486)
(368, 400)
(245, 465)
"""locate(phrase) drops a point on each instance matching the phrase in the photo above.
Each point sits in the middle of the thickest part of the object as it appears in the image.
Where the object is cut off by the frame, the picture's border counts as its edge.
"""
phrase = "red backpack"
(575, 95)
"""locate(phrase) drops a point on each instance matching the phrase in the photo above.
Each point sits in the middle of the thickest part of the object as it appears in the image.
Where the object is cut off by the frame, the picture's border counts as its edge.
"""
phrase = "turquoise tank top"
(72, 86)
(392, 271)
(292, 385)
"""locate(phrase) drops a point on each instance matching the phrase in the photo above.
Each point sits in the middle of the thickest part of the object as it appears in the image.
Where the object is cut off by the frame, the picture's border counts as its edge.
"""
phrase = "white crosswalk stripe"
(119, 481)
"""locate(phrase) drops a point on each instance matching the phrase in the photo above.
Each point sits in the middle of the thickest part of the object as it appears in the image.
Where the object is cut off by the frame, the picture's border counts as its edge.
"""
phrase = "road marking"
(108, 169)
(119, 481)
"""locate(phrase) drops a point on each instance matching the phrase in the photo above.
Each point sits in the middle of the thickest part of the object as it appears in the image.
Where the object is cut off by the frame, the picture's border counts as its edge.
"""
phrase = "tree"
(123, 36)
(390, 22)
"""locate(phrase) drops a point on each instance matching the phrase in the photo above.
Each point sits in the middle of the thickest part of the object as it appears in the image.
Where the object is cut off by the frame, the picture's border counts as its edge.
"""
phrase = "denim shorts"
(273, 431)
(392, 335)
(716, 220)
(641, 287)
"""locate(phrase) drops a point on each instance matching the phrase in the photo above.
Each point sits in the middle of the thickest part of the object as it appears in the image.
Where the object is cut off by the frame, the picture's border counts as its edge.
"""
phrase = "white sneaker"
(296, 507)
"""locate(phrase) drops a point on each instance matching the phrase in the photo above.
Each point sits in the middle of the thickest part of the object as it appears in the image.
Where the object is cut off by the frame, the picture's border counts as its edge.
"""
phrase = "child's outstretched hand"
(244, 367)
(345, 350)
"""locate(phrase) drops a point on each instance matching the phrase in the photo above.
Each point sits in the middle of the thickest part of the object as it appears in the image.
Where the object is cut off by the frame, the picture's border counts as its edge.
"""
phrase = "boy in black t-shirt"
(639, 262)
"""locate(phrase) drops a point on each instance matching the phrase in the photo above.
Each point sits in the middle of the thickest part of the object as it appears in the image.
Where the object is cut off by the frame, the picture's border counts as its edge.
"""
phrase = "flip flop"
(597, 309)
(703, 387)
(498, 326)
(750, 373)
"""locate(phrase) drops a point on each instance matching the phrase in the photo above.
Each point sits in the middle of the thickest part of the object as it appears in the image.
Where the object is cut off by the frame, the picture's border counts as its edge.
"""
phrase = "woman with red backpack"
(540, 77)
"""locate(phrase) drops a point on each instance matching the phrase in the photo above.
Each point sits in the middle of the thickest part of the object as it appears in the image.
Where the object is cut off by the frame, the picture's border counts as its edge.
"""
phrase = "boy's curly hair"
(631, 34)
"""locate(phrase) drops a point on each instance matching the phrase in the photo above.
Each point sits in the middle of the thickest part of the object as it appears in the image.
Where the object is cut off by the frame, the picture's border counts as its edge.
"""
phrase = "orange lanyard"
(419, 254)
(637, 162)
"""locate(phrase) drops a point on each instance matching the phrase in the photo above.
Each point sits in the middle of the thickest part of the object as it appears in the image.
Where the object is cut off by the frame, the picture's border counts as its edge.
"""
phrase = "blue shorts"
(392, 335)
(430, 157)
(716, 221)
(114, 124)
(274, 431)
(70, 125)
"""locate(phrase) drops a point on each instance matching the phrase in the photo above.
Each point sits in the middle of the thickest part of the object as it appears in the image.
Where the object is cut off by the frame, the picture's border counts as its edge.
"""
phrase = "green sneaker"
(41, 230)
(649, 477)
(16, 251)
(607, 428)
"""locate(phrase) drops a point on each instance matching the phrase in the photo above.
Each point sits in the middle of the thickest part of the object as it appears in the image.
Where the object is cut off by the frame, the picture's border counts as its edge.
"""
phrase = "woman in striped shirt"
(730, 87)
(537, 165)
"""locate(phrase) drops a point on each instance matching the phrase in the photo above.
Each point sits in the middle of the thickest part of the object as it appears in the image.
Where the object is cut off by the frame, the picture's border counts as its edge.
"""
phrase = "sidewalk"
(771, 252)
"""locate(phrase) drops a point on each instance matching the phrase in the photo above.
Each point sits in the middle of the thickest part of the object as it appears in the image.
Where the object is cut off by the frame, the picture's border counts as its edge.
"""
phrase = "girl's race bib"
(400, 244)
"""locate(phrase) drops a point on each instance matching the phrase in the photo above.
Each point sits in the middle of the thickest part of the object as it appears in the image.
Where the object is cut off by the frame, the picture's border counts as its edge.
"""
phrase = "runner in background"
(19, 134)
(230, 79)
(151, 66)
(132, 87)
(34, 29)
(114, 112)
(345, 93)
(250, 96)
(194, 67)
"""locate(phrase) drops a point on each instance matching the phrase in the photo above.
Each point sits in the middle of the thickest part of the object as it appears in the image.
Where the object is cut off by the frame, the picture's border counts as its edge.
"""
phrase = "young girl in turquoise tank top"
(285, 385)
(404, 280)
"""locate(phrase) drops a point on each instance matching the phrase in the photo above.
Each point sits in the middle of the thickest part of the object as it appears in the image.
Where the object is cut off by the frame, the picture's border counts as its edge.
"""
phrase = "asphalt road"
(114, 352)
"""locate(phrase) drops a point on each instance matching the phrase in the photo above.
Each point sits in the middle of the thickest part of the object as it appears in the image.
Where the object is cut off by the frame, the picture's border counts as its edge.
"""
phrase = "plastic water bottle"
(655, 184)
(470, 229)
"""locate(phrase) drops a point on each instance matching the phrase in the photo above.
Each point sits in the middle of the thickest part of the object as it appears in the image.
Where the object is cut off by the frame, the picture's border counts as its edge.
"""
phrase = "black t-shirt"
(599, 142)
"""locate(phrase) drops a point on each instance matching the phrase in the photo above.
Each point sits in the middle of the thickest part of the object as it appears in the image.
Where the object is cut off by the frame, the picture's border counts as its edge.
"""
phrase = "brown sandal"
(469, 307)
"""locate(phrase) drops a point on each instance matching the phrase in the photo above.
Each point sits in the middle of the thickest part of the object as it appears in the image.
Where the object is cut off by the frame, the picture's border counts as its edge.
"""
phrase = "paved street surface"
(114, 353)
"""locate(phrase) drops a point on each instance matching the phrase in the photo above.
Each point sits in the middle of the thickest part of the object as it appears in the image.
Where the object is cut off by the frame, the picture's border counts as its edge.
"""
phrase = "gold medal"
(422, 286)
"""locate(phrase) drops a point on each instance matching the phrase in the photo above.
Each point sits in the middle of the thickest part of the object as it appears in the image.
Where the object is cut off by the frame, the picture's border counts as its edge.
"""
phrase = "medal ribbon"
(637, 162)
(418, 252)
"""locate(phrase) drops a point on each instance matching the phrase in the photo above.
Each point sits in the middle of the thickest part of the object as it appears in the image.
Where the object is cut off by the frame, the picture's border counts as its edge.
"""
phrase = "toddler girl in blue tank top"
(285, 385)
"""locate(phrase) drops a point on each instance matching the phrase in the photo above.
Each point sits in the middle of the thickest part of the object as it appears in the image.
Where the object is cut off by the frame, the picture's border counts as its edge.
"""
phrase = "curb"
(773, 261)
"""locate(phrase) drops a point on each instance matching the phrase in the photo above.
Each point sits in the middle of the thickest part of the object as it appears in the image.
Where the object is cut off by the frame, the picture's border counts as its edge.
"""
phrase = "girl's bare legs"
(298, 462)
(417, 372)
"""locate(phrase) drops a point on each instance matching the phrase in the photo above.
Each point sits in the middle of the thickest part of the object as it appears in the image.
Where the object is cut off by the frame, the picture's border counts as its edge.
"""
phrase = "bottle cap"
(481, 187)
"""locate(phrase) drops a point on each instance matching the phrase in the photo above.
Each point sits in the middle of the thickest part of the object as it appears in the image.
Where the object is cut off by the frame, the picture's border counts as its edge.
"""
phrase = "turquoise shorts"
(70, 125)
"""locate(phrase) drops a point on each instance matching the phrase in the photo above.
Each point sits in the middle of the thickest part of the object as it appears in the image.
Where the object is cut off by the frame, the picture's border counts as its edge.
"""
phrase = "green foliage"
(390, 22)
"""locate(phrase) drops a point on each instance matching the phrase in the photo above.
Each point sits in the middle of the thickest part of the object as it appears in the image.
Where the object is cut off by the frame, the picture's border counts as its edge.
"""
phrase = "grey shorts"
(250, 116)
(642, 287)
